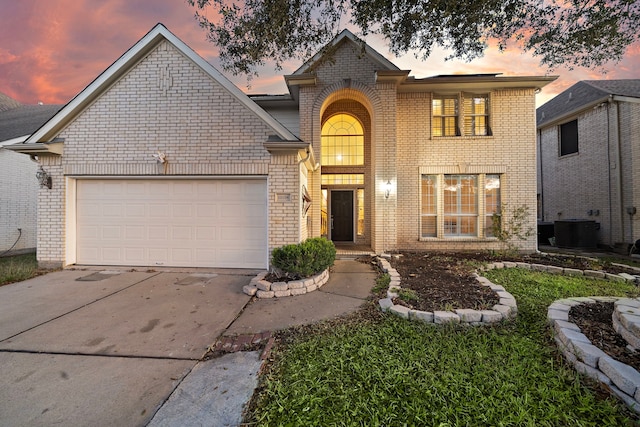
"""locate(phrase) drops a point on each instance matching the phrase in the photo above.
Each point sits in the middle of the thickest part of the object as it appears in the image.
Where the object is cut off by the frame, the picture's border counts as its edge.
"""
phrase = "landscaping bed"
(445, 281)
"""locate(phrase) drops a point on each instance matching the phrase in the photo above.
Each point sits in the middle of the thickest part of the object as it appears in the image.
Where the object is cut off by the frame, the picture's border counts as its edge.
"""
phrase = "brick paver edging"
(506, 309)
(264, 289)
(621, 379)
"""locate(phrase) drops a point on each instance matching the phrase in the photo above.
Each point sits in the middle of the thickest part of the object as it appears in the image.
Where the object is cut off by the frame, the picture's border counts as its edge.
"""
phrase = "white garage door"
(178, 223)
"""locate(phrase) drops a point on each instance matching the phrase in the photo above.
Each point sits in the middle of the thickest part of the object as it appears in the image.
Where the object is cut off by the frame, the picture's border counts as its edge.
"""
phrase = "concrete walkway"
(88, 347)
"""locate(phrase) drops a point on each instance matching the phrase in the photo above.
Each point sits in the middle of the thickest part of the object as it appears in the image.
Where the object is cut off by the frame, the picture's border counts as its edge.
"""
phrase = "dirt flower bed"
(440, 281)
(445, 281)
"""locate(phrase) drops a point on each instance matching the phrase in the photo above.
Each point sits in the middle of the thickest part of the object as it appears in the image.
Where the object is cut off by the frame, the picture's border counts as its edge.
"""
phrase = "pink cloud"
(51, 50)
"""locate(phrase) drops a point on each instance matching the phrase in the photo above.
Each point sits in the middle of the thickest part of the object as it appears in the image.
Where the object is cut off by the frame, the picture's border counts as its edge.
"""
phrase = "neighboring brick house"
(358, 151)
(18, 184)
(589, 158)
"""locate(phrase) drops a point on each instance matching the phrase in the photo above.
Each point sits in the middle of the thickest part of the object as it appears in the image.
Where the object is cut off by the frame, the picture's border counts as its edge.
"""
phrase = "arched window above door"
(342, 141)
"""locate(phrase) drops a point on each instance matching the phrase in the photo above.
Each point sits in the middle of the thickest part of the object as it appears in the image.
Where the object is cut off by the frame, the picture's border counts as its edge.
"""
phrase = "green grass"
(395, 372)
(18, 268)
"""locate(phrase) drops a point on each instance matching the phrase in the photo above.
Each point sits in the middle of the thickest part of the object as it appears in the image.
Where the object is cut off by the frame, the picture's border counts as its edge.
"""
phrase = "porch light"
(387, 189)
(43, 178)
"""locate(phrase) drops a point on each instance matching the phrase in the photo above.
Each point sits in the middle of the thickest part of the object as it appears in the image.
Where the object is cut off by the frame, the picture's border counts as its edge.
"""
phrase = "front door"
(342, 215)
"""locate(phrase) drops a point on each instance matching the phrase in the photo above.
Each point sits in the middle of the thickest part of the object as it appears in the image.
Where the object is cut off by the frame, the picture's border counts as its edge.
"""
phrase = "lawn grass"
(18, 268)
(395, 372)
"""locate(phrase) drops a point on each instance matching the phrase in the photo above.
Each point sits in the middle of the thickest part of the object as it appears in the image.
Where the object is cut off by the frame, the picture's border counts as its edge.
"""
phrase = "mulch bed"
(444, 281)
(441, 282)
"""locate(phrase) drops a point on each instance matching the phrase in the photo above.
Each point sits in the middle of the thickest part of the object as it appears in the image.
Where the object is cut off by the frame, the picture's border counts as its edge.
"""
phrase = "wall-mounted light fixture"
(44, 179)
(387, 189)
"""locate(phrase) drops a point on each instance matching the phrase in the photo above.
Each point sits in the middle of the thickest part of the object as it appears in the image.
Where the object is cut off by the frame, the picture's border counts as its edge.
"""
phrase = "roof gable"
(346, 36)
(585, 94)
(129, 60)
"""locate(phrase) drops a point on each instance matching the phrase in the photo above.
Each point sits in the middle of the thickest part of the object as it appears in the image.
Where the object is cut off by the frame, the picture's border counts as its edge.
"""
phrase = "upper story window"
(342, 141)
(569, 138)
(445, 116)
(474, 115)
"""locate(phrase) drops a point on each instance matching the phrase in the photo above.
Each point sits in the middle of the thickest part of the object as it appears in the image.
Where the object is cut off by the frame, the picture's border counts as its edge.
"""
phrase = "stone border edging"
(622, 277)
(264, 289)
(623, 380)
(506, 309)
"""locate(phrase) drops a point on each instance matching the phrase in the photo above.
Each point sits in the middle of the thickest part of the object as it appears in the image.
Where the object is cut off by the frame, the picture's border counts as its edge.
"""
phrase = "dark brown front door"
(342, 216)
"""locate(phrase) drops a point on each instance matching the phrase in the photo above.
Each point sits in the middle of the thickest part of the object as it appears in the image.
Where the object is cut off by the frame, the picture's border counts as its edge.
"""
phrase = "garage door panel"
(190, 223)
(111, 233)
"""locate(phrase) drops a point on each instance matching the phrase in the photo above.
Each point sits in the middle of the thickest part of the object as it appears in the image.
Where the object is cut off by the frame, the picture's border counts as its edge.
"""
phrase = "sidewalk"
(216, 391)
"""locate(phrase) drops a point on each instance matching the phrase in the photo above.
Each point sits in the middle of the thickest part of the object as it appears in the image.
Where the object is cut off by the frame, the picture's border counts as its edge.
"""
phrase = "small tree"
(511, 226)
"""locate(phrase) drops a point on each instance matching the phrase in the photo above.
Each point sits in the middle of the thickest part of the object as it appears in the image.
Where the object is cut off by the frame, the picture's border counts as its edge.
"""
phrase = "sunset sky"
(51, 50)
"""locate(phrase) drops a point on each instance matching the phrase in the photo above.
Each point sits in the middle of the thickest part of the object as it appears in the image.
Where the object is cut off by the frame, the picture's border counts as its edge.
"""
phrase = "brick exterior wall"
(598, 182)
(510, 152)
(167, 103)
(18, 201)
(401, 149)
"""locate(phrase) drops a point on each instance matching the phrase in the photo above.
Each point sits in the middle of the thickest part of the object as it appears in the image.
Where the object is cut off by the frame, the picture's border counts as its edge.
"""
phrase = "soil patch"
(440, 282)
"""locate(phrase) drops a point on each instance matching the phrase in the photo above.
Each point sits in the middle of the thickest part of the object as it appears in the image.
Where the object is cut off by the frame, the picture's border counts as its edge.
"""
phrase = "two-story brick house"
(162, 161)
(589, 152)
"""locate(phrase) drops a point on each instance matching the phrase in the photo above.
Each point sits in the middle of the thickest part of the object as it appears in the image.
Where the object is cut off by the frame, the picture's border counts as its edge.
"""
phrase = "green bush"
(304, 259)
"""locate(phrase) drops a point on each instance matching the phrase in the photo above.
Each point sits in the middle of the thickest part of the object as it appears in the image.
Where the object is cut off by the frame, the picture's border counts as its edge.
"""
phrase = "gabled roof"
(127, 61)
(344, 37)
(584, 95)
(24, 120)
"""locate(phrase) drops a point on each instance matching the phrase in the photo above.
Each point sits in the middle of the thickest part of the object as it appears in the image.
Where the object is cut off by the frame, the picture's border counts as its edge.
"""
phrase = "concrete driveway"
(91, 347)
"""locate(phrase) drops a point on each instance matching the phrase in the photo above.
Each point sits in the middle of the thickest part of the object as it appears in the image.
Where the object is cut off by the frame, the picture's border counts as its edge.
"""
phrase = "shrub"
(304, 259)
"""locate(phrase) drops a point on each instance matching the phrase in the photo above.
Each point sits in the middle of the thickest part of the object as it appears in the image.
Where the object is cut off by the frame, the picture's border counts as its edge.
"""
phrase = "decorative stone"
(538, 267)
(614, 277)
(554, 270)
(591, 372)
(279, 286)
(594, 273)
(524, 265)
(561, 307)
(280, 294)
(605, 299)
(508, 264)
(566, 325)
(468, 315)
(442, 317)
(496, 288)
(263, 285)
(628, 302)
(588, 353)
(400, 310)
(553, 315)
(385, 304)
(627, 277)
(573, 272)
(296, 284)
(265, 294)
(570, 336)
(623, 376)
(249, 290)
(491, 316)
(298, 291)
(569, 302)
(504, 310)
(583, 300)
(311, 288)
(424, 316)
